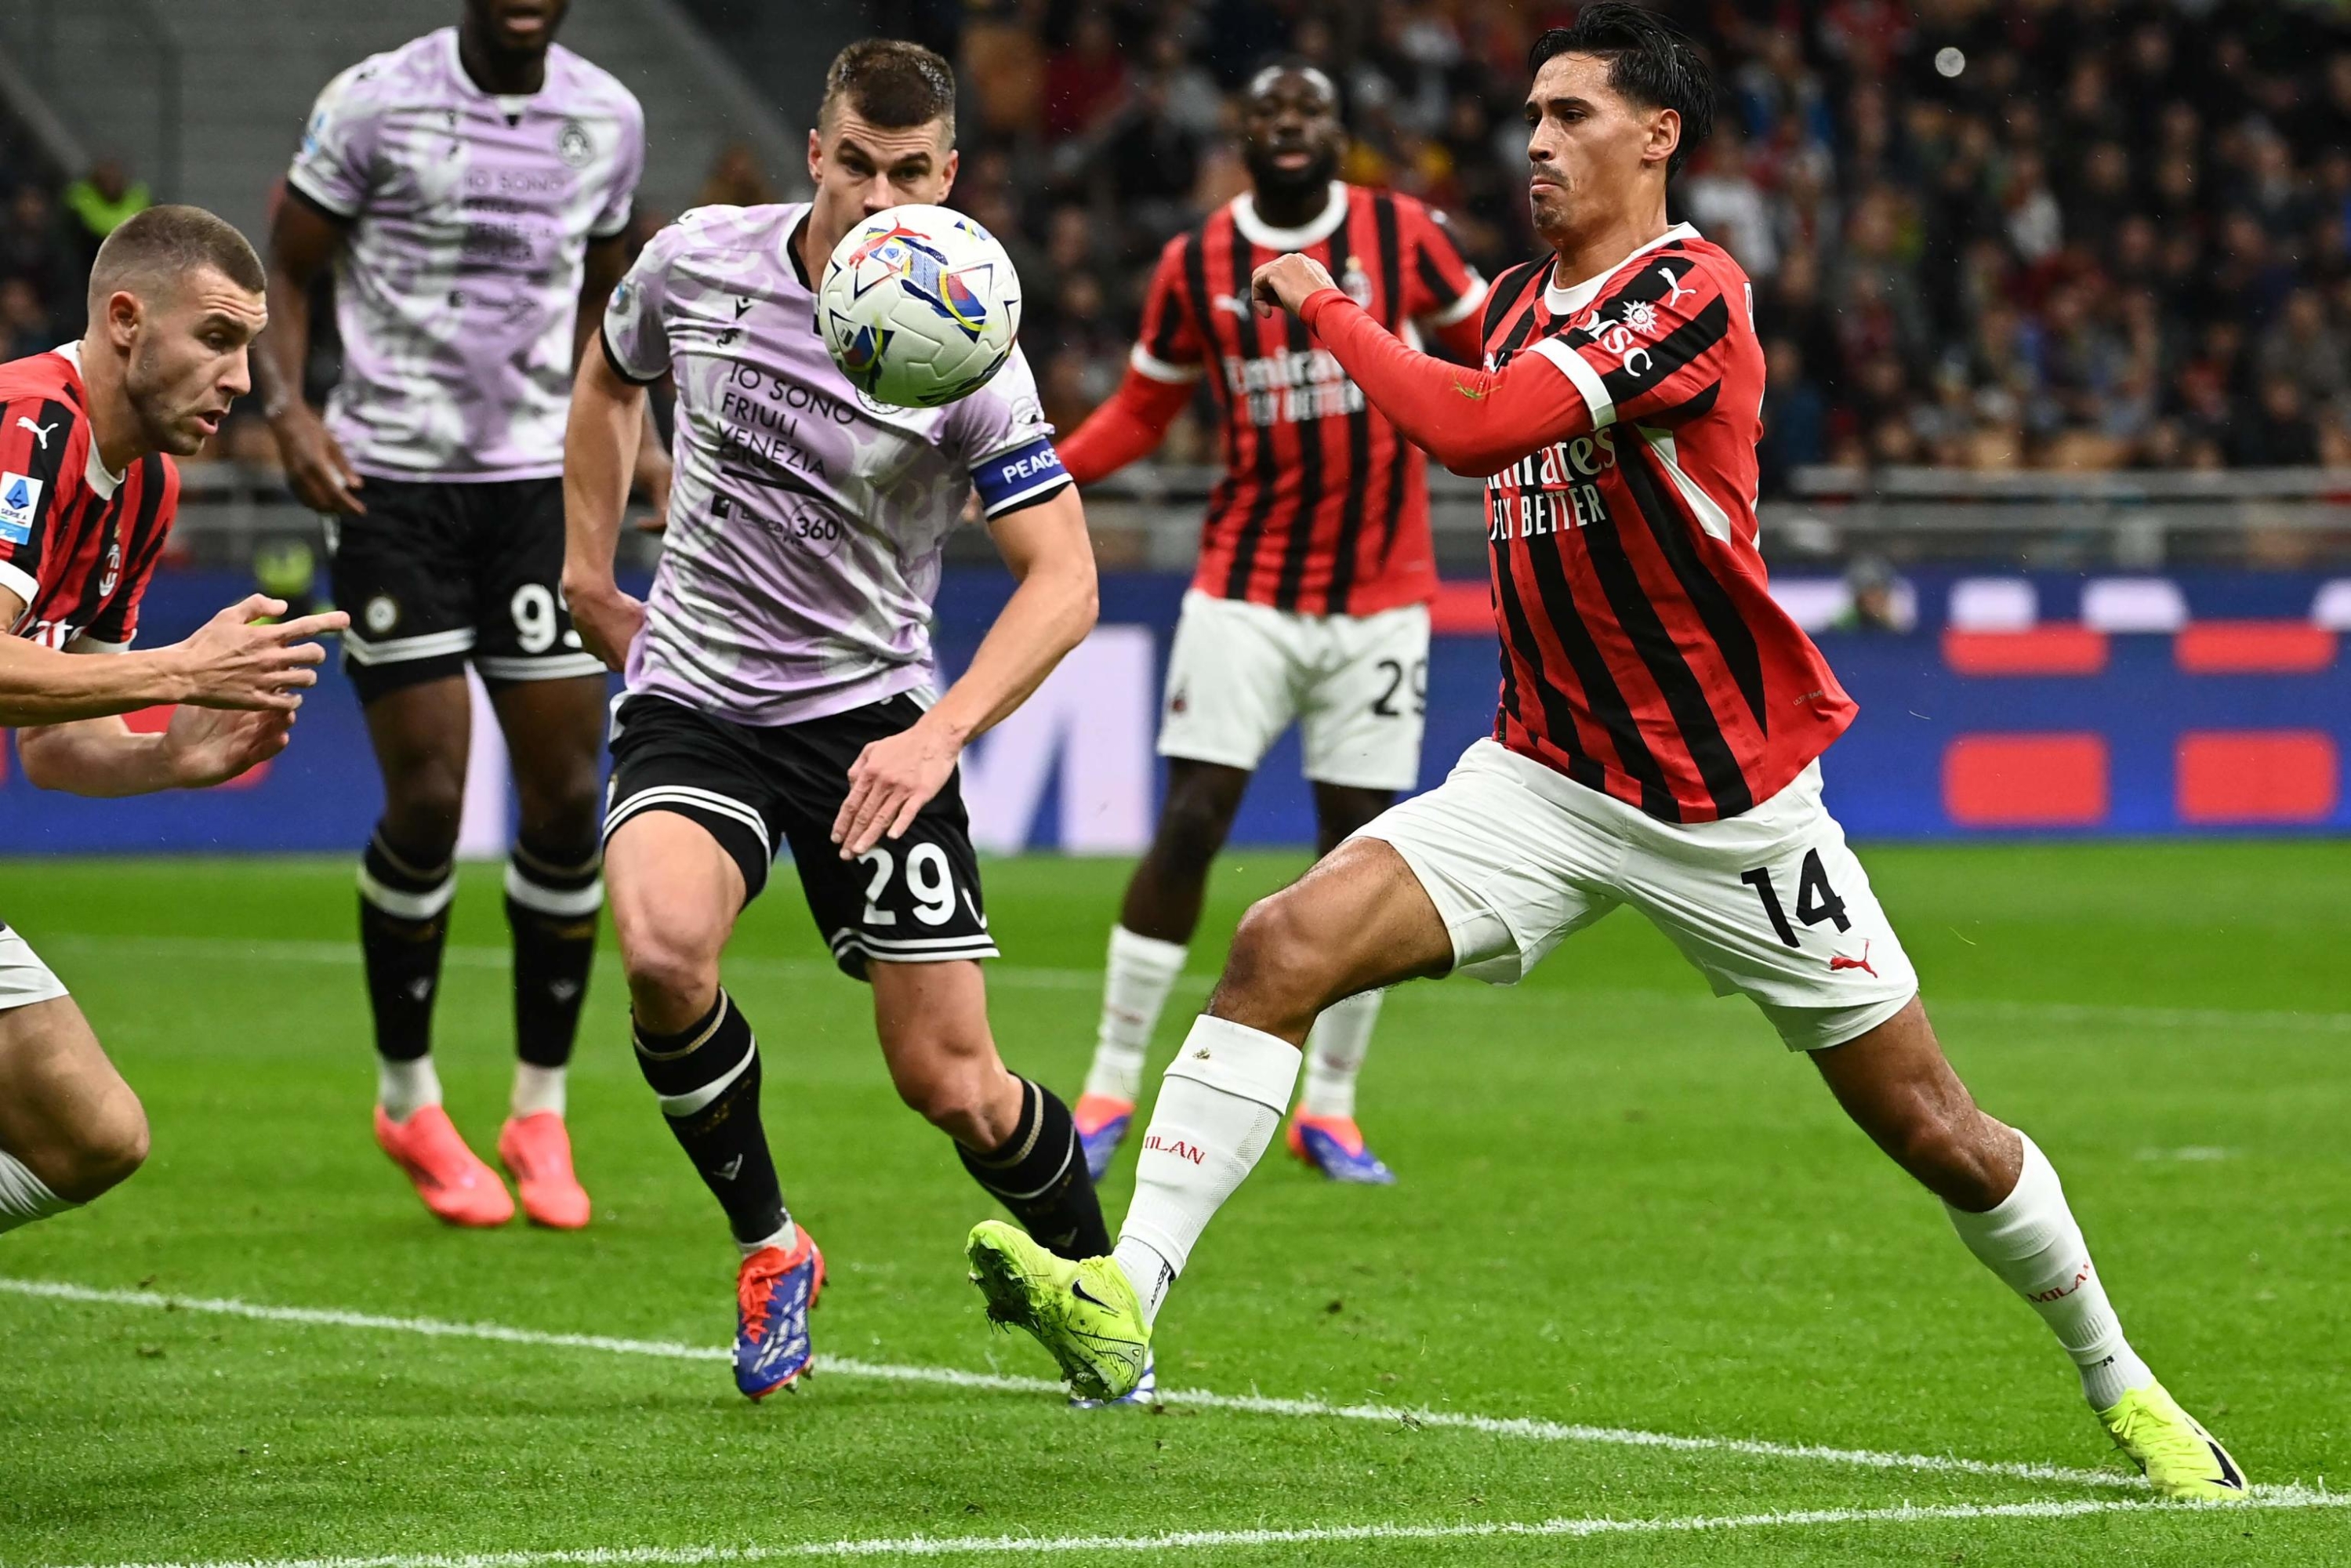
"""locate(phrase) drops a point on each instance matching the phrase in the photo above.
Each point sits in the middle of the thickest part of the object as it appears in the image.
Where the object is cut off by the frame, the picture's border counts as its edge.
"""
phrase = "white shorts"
(23, 978)
(1238, 674)
(1771, 904)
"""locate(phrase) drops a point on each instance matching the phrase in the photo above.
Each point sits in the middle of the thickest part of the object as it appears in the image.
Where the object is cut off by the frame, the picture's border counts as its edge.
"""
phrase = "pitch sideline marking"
(1526, 1428)
(1178, 1539)
(1042, 978)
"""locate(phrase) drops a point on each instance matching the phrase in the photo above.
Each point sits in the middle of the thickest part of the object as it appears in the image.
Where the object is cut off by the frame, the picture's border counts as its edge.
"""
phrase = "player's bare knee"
(102, 1148)
(1192, 829)
(670, 971)
(1274, 968)
(1955, 1153)
(422, 811)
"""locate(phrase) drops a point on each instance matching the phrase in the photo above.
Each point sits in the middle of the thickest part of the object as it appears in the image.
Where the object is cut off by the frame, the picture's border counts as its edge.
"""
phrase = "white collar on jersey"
(1568, 301)
(93, 472)
(1257, 232)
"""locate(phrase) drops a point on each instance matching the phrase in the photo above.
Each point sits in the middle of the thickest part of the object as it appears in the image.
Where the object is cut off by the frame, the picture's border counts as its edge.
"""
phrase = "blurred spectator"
(736, 180)
(24, 325)
(2120, 234)
(102, 201)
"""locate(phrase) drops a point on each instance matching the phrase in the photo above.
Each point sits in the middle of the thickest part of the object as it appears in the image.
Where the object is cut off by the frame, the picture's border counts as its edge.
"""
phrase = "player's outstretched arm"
(600, 453)
(1129, 426)
(232, 662)
(200, 748)
(1049, 613)
(1476, 423)
(303, 241)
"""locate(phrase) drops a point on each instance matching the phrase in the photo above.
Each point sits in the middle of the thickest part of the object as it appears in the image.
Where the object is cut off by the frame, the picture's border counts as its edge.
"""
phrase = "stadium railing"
(1149, 516)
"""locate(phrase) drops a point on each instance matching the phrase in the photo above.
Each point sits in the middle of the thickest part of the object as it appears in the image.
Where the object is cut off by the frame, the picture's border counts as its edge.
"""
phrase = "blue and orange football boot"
(773, 1295)
(1334, 1145)
(1101, 1123)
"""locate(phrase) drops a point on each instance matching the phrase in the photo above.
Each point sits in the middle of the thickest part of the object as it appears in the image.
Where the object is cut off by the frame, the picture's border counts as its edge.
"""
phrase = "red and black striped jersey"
(77, 544)
(1642, 652)
(1323, 507)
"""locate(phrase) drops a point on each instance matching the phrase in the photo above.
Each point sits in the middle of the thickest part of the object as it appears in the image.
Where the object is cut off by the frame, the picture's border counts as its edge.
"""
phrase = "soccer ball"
(919, 306)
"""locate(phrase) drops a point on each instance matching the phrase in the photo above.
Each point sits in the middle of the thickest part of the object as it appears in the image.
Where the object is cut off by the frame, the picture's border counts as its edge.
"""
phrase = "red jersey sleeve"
(1169, 348)
(1653, 349)
(116, 624)
(42, 443)
(1441, 289)
(1475, 422)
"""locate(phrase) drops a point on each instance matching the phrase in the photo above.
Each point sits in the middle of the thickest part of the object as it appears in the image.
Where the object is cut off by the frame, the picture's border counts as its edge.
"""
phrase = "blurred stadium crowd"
(2071, 233)
(2058, 234)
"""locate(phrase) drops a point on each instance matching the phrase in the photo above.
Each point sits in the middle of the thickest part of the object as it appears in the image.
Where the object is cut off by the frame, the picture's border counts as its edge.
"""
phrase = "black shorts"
(910, 900)
(436, 575)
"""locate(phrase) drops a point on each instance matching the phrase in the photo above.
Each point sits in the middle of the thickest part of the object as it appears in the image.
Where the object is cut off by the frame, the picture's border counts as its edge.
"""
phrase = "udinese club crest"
(572, 145)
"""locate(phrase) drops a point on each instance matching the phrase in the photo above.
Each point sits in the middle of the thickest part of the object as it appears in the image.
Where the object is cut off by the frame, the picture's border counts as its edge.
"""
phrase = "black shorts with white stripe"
(437, 576)
(910, 900)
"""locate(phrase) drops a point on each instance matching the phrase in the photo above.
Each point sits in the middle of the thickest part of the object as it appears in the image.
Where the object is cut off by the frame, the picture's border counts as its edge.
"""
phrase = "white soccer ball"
(919, 306)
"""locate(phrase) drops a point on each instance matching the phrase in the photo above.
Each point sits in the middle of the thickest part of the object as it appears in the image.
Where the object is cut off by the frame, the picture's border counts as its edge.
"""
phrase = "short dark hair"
(1650, 61)
(891, 83)
(163, 245)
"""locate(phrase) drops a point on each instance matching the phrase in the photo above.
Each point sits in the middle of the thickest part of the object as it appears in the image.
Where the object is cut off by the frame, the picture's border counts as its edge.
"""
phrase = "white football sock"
(1222, 1098)
(1143, 971)
(1334, 1054)
(24, 1197)
(404, 1088)
(537, 1088)
(2031, 1242)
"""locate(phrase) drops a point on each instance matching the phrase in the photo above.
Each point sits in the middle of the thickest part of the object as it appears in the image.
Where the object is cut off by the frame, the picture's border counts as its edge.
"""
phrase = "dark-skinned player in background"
(470, 191)
(1657, 744)
(87, 496)
(1311, 601)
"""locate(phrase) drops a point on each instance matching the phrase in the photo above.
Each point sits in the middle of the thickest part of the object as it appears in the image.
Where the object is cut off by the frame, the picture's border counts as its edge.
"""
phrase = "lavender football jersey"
(458, 289)
(806, 521)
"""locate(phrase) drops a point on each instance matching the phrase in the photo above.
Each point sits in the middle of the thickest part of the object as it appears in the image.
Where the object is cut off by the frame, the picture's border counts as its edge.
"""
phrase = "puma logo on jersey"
(40, 432)
(1235, 303)
(1839, 961)
(1674, 289)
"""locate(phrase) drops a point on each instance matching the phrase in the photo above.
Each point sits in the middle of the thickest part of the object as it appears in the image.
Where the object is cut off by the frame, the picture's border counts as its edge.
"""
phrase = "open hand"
(1284, 283)
(210, 747)
(892, 779)
(238, 660)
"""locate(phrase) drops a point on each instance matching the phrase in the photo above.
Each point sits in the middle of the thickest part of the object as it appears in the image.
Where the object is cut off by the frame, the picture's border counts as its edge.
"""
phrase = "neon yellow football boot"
(2182, 1461)
(1085, 1314)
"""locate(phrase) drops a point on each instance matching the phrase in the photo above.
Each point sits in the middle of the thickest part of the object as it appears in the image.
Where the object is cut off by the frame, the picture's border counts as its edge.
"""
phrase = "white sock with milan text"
(2031, 1241)
(1143, 971)
(1335, 1053)
(1218, 1107)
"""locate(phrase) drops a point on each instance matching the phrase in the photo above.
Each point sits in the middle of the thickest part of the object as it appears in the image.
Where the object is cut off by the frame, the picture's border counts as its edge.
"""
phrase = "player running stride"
(1656, 745)
(470, 190)
(87, 497)
(1311, 601)
(781, 684)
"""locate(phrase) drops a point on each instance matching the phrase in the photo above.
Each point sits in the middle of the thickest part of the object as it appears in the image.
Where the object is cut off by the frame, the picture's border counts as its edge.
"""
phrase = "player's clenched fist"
(239, 660)
(891, 780)
(607, 619)
(1283, 283)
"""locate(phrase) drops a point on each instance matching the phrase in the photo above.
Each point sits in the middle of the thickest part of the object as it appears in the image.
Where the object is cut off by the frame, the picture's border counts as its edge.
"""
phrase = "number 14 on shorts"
(1815, 899)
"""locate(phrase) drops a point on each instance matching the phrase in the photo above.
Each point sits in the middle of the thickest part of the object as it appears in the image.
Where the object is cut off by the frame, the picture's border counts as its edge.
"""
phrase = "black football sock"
(552, 897)
(707, 1076)
(1039, 1175)
(403, 923)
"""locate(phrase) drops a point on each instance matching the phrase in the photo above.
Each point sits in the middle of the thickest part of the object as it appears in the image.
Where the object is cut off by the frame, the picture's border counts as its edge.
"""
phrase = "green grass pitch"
(1622, 1207)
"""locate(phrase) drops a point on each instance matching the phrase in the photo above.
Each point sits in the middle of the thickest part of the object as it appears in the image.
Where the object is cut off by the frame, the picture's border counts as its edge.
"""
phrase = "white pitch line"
(1311, 1535)
(1041, 978)
(1524, 1428)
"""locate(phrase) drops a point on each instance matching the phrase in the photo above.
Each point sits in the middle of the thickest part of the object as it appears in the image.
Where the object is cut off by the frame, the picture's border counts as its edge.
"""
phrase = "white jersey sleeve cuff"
(20, 581)
(1587, 380)
(313, 192)
(1460, 309)
(1150, 365)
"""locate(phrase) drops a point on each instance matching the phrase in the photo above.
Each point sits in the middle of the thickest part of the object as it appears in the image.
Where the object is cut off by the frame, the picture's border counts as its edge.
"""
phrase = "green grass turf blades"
(1651, 1217)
